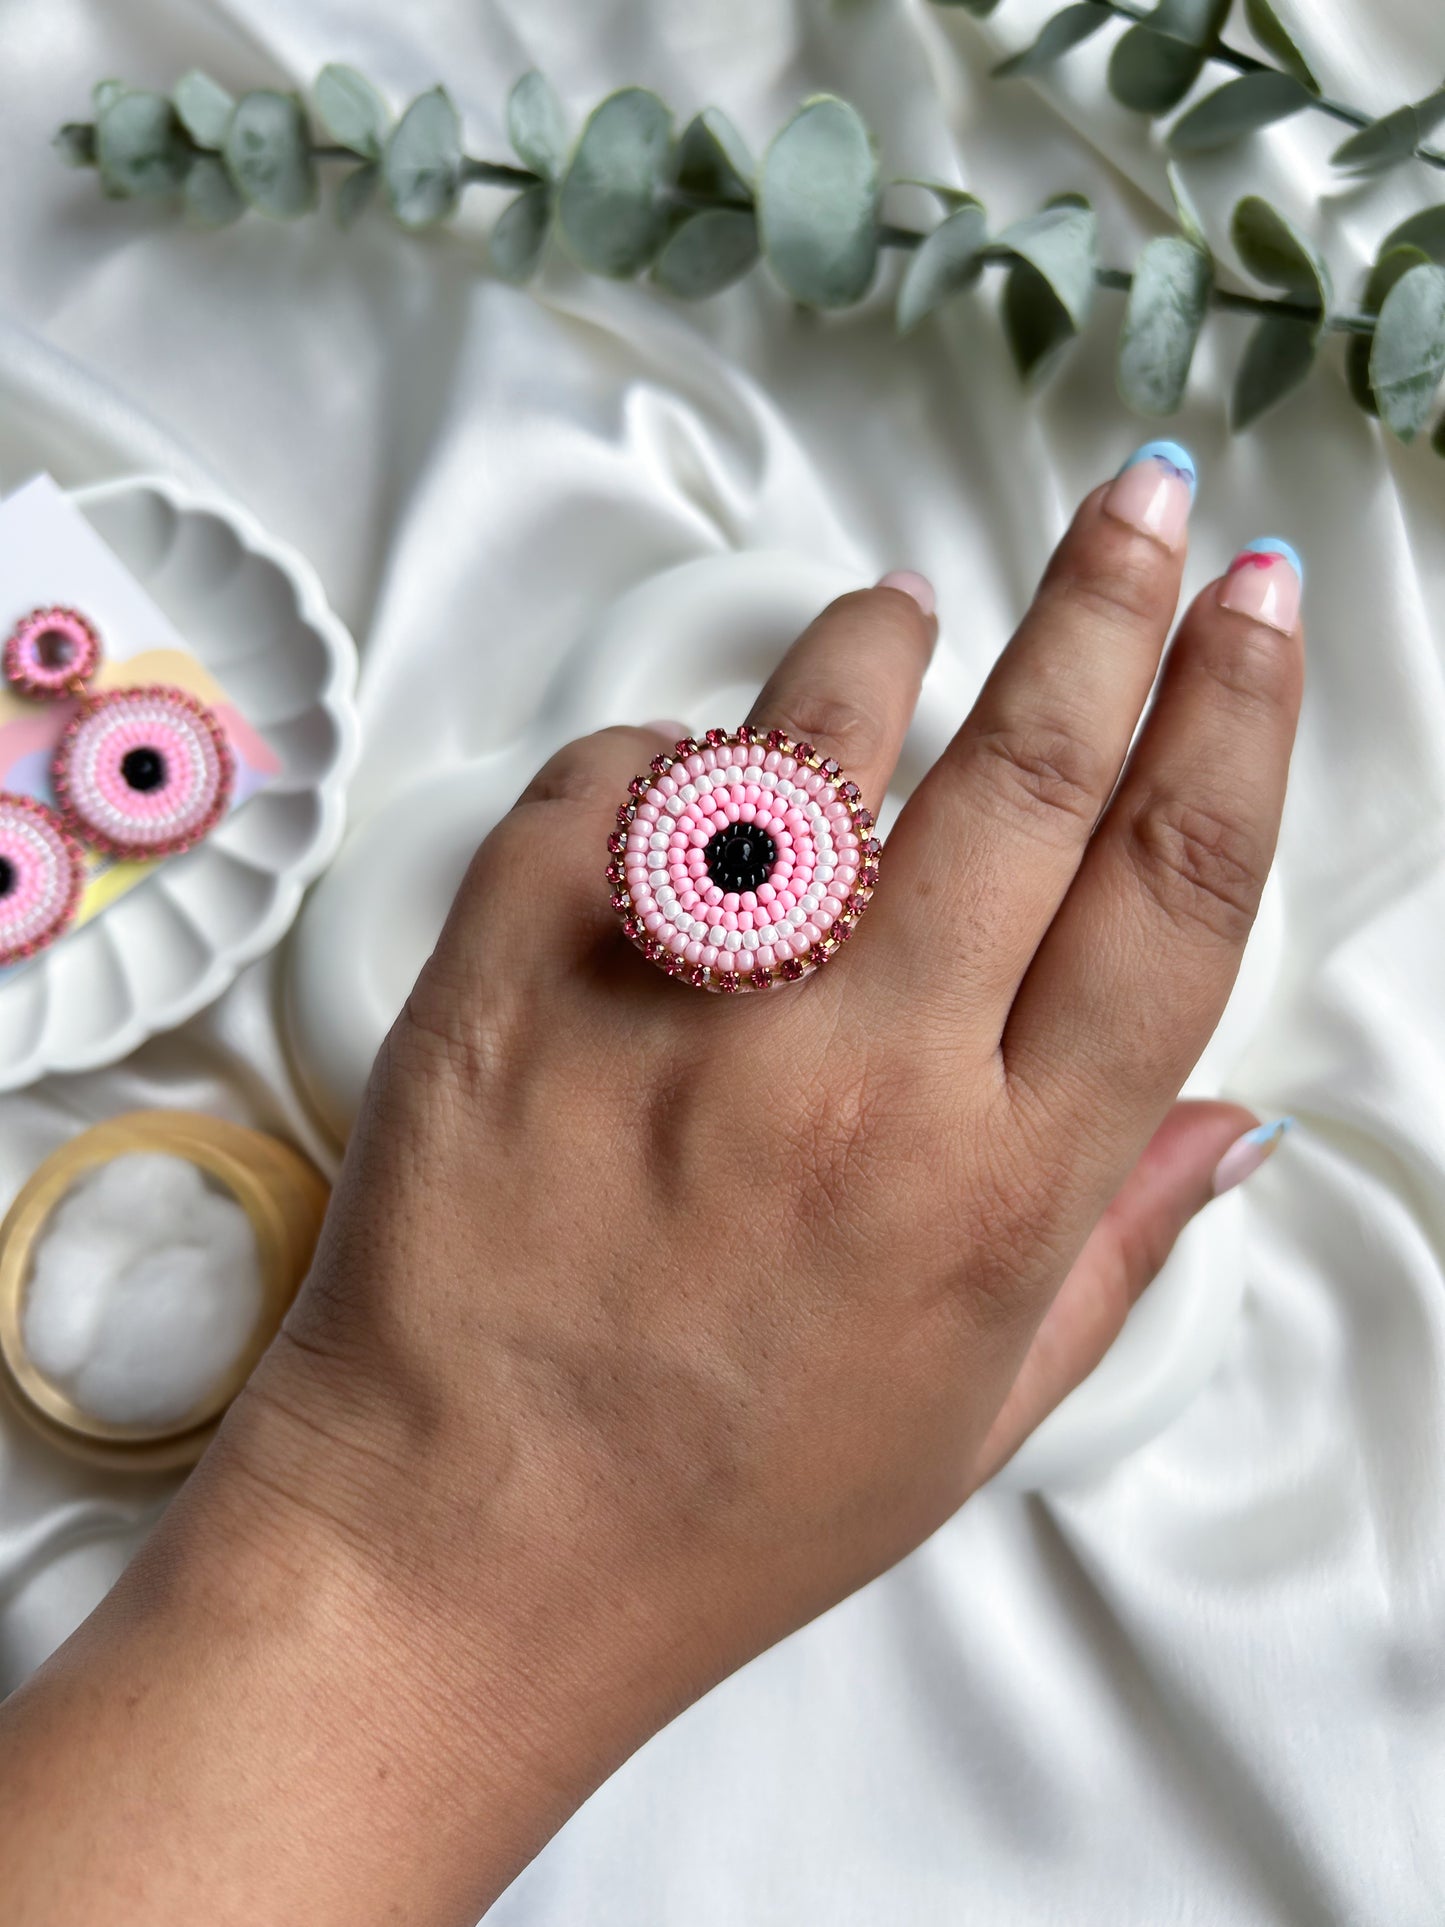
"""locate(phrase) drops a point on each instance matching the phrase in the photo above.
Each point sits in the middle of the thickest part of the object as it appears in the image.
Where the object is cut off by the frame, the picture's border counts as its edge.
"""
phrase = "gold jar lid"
(285, 1199)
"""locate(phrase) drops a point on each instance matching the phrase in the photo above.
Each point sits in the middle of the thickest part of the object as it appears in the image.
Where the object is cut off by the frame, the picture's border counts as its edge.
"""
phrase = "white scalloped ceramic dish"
(255, 614)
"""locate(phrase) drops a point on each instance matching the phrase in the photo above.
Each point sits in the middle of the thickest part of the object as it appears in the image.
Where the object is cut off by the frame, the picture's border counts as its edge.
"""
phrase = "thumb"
(1198, 1152)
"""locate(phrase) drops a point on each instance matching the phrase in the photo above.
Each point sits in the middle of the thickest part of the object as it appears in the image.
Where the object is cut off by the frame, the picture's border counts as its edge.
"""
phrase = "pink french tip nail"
(1154, 492)
(1265, 582)
(1247, 1153)
(911, 583)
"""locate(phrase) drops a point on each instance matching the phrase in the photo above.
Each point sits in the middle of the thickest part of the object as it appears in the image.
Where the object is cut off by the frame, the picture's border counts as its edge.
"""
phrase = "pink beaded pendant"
(143, 772)
(741, 862)
(42, 873)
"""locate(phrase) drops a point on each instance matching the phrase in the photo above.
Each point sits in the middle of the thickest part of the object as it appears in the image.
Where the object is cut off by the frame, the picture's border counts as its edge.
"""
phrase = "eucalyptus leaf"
(980, 9)
(945, 265)
(212, 198)
(1426, 230)
(1277, 357)
(1191, 226)
(610, 209)
(1058, 36)
(75, 143)
(1408, 356)
(1276, 253)
(104, 93)
(1391, 266)
(707, 252)
(1152, 72)
(1156, 63)
(537, 126)
(268, 150)
(1391, 139)
(517, 241)
(1437, 437)
(1035, 321)
(817, 205)
(205, 108)
(139, 146)
(421, 164)
(1238, 108)
(353, 112)
(1168, 301)
(713, 158)
(1264, 23)
(1060, 243)
(356, 193)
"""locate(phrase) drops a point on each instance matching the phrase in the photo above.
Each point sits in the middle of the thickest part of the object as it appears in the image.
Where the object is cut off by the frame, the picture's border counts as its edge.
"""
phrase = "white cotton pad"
(145, 1287)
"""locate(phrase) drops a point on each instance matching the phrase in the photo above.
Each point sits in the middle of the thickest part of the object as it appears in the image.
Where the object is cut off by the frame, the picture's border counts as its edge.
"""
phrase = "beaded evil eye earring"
(138, 773)
(42, 873)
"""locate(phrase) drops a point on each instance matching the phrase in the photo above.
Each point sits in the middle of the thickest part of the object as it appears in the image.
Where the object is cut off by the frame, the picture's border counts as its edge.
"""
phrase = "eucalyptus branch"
(696, 212)
(1166, 49)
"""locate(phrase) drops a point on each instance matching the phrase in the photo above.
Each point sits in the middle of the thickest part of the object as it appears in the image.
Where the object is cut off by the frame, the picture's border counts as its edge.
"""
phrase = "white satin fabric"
(1208, 1686)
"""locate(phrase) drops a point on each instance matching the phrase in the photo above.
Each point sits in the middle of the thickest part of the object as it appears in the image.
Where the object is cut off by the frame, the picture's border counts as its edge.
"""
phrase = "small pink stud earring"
(51, 653)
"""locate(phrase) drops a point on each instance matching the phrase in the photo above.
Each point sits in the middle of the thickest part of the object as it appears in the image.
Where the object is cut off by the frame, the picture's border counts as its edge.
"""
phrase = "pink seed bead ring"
(743, 861)
(51, 653)
(42, 873)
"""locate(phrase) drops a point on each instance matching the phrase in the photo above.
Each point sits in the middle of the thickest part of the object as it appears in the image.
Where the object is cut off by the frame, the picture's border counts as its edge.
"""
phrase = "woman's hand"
(647, 1324)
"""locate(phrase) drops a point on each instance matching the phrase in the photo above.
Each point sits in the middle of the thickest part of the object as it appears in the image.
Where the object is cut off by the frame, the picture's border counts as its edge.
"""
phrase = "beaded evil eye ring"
(51, 653)
(42, 873)
(143, 772)
(743, 861)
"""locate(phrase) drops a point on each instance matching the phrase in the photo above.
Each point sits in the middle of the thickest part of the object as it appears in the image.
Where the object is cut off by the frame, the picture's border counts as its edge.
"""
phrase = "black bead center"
(740, 857)
(143, 769)
(7, 876)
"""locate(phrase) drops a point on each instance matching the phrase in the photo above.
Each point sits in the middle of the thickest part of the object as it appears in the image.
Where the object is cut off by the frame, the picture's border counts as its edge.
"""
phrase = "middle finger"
(988, 845)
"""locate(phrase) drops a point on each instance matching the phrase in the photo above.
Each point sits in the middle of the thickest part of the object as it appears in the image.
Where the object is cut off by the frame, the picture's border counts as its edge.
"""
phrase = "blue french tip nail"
(1173, 455)
(1267, 1133)
(1276, 545)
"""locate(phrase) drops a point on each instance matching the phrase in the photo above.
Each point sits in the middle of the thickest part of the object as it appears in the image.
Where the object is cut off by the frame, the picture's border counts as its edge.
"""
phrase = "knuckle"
(581, 772)
(830, 723)
(1124, 586)
(1248, 665)
(454, 1037)
(1051, 771)
(1200, 869)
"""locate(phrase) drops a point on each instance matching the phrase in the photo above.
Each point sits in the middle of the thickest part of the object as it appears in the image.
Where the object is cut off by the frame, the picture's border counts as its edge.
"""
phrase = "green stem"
(1244, 63)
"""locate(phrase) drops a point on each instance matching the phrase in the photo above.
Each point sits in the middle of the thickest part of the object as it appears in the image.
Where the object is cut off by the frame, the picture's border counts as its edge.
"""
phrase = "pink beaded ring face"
(743, 861)
(42, 874)
(51, 653)
(143, 772)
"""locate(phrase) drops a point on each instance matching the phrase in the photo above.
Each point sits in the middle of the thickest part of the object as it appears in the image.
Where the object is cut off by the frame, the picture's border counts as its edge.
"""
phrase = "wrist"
(495, 1665)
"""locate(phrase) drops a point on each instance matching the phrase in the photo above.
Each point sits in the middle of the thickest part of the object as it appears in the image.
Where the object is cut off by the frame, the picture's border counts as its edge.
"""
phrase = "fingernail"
(1247, 1153)
(911, 583)
(1154, 492)
(1265, 581)
(667, 727)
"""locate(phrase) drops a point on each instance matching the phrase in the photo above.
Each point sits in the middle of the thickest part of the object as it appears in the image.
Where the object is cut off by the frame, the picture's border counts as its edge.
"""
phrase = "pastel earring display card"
(51, 556)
